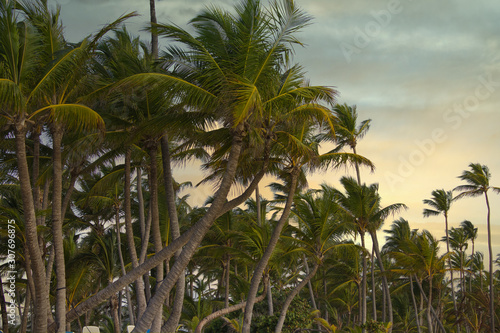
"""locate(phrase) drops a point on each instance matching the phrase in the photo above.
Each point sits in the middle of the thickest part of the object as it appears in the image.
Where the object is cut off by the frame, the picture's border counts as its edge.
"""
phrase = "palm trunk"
(113, 302)
(3, 307)
(449, 264)
(259, 270)
(155, 224)
(363, 283)
(490, 252)
(291, 296)
(122, 264)
(154, 36)
(425, 299)
(417, 319)
(429, 307)
(226, 311)
(26, 311)
(41, 292)
(57, 225)
(385, 283)
(374, 303)
(175, 315)
(139, 283)
(309, 285)
(195, 235)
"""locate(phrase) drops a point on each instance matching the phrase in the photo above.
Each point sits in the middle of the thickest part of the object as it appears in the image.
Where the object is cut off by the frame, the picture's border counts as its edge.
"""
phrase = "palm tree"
(471, 232)
(362, 209)
(347, 131)
(319, 232)
(419, 257)
(477, 180)
(440, 203)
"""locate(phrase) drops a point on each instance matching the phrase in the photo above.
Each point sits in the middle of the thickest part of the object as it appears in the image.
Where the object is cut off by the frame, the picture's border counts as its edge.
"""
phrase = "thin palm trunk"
(259, 270)
(490, 252)
(291, 296)
(41, 292)
(363, 283)
(415, 308)
(57, 225)
(175, 314)
(227, 310)
(309, 285)
(374, 303)
(449, 264)
(3, 307)
(139, 283)
(432, 311)
(155, 224)
(122, 264)
(385, 283)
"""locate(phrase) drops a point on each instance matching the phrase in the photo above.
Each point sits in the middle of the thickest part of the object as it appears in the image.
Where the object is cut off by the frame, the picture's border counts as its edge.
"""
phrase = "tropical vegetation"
(97, 231)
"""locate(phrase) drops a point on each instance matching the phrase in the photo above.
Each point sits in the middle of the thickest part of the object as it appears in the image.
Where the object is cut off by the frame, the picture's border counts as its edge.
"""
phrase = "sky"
(427, 74)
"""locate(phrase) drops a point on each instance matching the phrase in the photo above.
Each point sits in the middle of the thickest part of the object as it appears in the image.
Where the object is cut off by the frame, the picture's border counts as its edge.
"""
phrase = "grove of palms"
(93, 134)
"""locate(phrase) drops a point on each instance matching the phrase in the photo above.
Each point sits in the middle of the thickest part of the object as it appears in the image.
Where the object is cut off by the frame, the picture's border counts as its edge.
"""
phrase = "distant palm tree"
(440, 203)
(477, 180)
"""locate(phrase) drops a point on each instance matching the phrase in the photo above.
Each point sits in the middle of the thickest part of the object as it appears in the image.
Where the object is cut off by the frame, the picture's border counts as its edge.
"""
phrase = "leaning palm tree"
(440, 203)
(477, 180)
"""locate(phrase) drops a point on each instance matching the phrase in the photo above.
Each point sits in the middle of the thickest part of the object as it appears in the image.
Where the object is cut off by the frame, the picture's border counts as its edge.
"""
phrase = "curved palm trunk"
(227, 310)
(139, 283)
(57, 225)
(175, 315)
(196, 234)
(259, 270)
(490, 252)
(41, 292)
(291, 296)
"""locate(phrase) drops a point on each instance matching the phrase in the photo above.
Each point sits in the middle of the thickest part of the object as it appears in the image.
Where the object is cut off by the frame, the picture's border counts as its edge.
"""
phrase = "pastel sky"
(427, 73)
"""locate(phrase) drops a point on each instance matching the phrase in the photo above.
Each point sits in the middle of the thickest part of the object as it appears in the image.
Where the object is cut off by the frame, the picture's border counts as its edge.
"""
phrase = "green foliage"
(297, 315)
(373, 326)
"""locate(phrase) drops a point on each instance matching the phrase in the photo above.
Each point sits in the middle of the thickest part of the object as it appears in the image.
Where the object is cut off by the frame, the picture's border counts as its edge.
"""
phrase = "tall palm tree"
(477, 180)
(440, 203)
(362, 210)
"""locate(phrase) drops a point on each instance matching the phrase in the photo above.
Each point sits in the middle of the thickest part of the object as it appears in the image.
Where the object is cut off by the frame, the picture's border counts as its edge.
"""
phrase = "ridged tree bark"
(57, 225)
(155, 223)
(41, 292)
